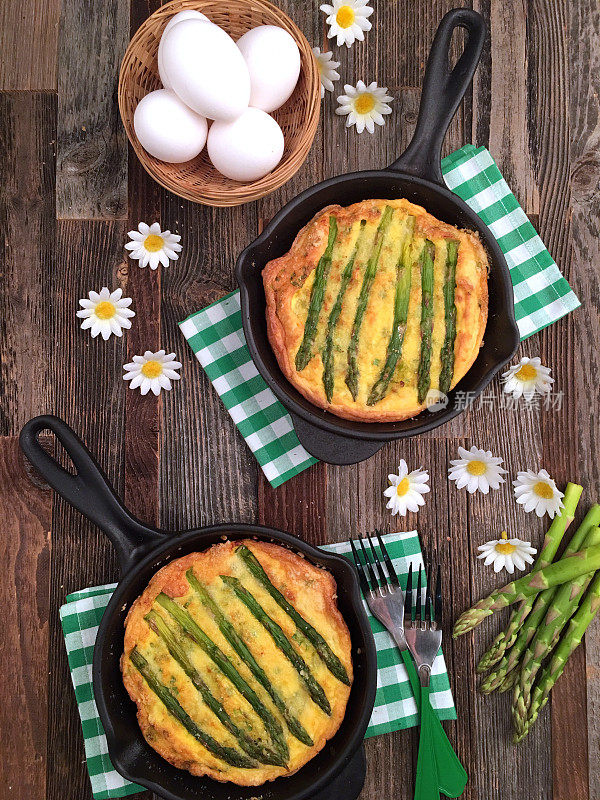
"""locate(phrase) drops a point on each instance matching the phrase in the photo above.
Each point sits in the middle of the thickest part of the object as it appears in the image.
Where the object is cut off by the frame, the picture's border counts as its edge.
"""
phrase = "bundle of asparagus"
(557, 602)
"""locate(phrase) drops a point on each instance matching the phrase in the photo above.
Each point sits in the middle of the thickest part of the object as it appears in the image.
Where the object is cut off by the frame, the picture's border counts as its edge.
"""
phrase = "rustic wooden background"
(69, 192)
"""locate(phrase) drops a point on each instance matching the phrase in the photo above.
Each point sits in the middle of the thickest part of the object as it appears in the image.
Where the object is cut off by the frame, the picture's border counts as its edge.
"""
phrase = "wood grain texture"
(91, 398)
(505, 123)
(28, 44)
(91, 171)
(179, 460)
(25, 595)
(27, 230)
(550, 88)
(583, 29)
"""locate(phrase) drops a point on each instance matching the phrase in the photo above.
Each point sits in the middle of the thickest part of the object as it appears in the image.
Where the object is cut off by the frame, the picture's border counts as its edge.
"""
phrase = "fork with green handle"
(386, 601)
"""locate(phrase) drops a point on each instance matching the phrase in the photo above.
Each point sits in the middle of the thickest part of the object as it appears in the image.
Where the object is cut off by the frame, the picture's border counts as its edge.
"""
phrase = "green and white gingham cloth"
(542, 295)
(394, 708)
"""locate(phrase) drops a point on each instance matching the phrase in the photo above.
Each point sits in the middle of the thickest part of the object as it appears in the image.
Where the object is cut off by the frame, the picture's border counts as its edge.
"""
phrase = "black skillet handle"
(88, 490)
(442, 92)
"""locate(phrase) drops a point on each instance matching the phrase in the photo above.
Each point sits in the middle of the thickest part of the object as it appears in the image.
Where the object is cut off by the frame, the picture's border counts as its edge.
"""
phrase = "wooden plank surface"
(91, 169)
(28, 44)
(179, 461)
(27, 231)
(25, 597)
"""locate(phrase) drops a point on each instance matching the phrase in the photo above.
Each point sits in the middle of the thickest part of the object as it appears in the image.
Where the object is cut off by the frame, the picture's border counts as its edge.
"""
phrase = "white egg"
(189, 14)
(273, 60)
(167, 128)
(247, 148)
(206, 69)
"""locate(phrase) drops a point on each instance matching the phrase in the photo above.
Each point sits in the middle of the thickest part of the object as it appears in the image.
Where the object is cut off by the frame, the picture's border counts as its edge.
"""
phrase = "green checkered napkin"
(215, 334)
(394, 708)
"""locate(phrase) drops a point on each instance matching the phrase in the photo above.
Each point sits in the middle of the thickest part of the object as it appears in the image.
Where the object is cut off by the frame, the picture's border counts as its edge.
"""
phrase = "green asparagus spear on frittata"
(427, 275)
(332, 662)
(401, 301)
(317, 295)
(177, 650)
(227, 754)
(314, 688)
(363, 299)
(243, 651)
(447, 354)
(195, 632)
(328, 355)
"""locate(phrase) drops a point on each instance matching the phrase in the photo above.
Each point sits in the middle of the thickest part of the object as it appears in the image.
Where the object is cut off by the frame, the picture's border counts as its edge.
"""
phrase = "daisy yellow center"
(526, 373)
(476, 467)
(505, 547)
(403, 487)
(364, 103)
(104, 310)
(345, 16)
(153, 243)
(152, 369)
(543, 490)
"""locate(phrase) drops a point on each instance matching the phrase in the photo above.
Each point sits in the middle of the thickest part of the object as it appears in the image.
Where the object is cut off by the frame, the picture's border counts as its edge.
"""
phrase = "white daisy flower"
(347, 19)
(476, 469)
(505, 553)
(106, 312)
(536, 491)
(364, 105)
(406, 490)
(327, 69)
(526, 378)
(152, 246)
(152, 371)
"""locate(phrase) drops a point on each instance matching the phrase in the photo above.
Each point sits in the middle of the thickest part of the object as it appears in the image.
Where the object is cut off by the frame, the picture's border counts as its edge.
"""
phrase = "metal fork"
(421, 625)
(387, 602)
(424, 638)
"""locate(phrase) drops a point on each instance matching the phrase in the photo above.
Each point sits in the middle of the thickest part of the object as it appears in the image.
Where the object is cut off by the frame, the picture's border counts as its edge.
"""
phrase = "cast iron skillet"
(417, 176)
(142, 551)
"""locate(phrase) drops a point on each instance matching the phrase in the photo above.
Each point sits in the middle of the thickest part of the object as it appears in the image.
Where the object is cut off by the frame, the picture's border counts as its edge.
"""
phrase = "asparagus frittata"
(375, 305)
(239, 662)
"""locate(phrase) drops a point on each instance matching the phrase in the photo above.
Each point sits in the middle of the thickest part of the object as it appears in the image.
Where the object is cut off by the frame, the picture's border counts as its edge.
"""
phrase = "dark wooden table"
(69, 192)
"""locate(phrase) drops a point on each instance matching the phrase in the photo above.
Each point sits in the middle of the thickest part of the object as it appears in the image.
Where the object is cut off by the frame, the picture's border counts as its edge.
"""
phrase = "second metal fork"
(388, 603)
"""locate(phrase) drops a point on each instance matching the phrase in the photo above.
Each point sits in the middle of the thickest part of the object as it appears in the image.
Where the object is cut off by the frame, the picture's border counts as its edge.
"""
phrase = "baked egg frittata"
(239, 662)
(374, 306)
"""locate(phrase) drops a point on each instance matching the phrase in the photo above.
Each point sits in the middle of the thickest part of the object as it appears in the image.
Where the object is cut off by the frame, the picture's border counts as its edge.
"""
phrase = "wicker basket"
(198, 180)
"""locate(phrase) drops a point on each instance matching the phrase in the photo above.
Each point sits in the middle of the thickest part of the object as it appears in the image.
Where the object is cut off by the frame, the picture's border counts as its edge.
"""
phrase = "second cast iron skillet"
(416, 176)
(142, 551)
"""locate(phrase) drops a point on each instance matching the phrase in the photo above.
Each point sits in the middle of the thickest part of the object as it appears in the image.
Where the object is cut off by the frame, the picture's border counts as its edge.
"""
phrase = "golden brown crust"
(310, 589)
(285, 277)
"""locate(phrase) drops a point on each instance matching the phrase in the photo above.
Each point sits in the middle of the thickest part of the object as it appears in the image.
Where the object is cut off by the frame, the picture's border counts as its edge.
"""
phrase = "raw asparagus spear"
(562, 606)
(512, 657)
(253, 748)
(497, 679)
(195, 632)
(314, 688)
(571, 640)
(363, 299)
(328, 379)
(240, 647)
(227, 754)
(332, 662)
(563, 571)
(317, 294)
(553, 538)
(447, 354)
(427, 274)
(509, 682)
(401, 301)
